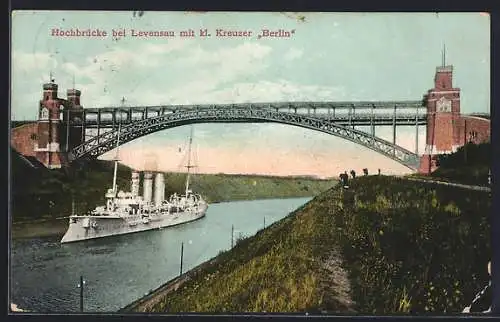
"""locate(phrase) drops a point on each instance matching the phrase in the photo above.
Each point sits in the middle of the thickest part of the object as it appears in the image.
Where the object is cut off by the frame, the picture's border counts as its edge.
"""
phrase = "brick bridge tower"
(443, 119)
(55, 134)
(47, 147)
(73, 120)
(447, 129)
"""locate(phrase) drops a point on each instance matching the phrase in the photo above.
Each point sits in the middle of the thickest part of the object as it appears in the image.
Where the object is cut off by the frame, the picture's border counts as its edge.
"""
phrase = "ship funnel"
(159, 188)
(135, 184)
(148, 187)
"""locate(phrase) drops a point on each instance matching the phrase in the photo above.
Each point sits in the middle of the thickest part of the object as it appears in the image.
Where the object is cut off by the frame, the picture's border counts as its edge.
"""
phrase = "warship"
(128, 212)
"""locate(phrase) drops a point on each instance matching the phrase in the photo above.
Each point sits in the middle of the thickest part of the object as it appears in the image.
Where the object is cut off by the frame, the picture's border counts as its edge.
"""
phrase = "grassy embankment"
(40, 195)
(226, 187)
(405, 247)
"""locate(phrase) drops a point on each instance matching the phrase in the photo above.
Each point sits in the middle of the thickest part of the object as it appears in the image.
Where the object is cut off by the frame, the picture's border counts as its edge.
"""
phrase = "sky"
(329, 57)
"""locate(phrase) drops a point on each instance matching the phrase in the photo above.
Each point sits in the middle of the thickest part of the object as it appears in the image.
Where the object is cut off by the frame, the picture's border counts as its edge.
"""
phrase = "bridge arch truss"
(105, 142)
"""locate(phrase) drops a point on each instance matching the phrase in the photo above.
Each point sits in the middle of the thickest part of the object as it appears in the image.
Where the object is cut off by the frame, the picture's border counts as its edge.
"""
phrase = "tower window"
(45, 113)
(472, 136)
(61, 112)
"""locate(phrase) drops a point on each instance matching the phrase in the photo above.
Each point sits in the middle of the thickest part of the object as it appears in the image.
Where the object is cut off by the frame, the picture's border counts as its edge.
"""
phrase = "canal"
(121, 269)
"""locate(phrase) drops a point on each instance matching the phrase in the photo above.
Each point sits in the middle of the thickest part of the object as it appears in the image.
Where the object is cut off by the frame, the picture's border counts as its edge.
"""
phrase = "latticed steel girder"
(107, 141)
(270, 105)
(356, 113)
(364, 119)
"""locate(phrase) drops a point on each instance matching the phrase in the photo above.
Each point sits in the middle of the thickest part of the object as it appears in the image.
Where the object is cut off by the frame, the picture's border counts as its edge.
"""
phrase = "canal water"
(121, 269)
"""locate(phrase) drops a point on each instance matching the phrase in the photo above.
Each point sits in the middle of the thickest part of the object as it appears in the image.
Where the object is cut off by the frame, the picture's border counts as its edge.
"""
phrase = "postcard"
(223, 162)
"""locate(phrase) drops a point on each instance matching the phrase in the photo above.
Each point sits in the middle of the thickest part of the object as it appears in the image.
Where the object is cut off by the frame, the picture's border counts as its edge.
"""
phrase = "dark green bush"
(469, 165)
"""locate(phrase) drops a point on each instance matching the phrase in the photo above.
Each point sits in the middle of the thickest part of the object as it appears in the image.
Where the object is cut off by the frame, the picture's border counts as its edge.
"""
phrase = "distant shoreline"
(46, 228)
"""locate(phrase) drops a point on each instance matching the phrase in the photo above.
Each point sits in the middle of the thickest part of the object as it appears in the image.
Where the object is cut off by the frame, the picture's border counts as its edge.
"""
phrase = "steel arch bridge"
(105, 142)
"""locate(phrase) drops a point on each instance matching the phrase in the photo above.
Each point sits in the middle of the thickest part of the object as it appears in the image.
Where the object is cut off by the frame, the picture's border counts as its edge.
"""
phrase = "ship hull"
(92, 227)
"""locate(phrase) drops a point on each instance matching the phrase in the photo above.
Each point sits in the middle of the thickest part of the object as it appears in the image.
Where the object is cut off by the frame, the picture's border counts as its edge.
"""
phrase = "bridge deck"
(395, 113)
(274, 105)
(357, 120)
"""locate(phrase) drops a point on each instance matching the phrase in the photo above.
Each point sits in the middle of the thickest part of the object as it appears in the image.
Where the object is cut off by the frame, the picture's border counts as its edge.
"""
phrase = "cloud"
(30, 62)
(293, 53)
(174, 72)
(211, 69)
(204, 92)
(273, 91)
(231, 57)
(106, 77)
(126, 72)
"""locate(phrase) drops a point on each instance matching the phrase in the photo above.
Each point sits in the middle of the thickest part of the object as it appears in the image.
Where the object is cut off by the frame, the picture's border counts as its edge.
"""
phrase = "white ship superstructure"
(129, 212)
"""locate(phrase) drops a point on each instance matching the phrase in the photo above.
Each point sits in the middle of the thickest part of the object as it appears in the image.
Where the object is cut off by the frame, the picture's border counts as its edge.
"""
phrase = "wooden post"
(232, 236)
(264, 222)
(182, 255)
(81, 293)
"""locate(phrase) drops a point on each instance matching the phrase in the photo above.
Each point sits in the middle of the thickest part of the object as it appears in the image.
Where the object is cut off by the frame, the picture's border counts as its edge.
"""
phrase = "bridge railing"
(107, 119)
(110, 115)
(278, 105)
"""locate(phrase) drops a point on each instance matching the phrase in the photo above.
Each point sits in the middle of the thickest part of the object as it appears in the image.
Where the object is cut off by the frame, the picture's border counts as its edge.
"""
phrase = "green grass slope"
(289, 266)
(413, 247)
(385, 245)
(225, 187)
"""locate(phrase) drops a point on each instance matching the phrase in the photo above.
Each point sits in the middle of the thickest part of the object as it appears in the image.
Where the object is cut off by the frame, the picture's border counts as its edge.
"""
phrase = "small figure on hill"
(353, 174)
(483, 300)
(344, 179)
(379, 171)
(365, 171)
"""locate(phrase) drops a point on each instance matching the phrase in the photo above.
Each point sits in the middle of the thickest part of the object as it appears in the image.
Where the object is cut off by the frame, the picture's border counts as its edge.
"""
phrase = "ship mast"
(117, 150)
(189, 166)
